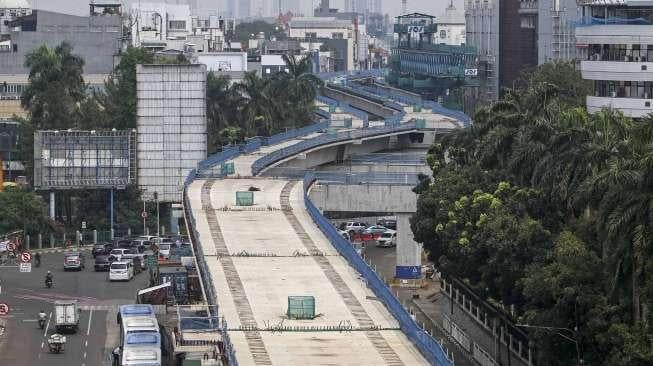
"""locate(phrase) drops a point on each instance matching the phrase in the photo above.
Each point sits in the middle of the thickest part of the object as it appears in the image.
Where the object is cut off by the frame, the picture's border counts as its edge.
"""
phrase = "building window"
(177, 24)
(311, 35)
(443, 34)
(338, 35)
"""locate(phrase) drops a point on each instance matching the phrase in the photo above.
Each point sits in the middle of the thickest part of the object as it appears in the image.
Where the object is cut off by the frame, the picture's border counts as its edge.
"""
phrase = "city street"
(22, 343)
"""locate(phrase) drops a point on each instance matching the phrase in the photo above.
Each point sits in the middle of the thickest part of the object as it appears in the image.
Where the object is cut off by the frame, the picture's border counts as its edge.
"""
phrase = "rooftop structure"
(615, 43)
(421, 63)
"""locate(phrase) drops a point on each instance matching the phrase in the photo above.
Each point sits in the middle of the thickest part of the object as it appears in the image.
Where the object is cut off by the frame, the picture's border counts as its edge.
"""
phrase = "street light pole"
(574, 340)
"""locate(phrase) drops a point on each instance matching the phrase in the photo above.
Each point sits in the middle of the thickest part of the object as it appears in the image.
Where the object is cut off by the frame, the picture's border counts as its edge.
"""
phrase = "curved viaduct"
(253, 257)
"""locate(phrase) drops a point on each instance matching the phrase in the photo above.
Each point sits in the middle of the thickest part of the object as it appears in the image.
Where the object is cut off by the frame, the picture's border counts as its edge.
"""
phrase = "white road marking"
(42, 344)
(45, 333)
(29, 320)
(84, 354)
(90, 318)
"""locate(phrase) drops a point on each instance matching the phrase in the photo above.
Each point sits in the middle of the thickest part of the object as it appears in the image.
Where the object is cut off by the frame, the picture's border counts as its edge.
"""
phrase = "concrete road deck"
(259, 255)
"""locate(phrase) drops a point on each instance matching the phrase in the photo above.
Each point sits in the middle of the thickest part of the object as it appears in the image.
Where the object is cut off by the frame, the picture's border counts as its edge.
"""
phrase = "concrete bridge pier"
(409, 252)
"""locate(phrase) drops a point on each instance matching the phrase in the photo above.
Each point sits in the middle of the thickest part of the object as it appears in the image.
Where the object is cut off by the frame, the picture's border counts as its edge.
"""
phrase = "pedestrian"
(37, 258)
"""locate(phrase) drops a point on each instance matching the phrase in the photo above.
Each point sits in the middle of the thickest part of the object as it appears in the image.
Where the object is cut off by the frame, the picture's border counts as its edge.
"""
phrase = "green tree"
(118, 101)
(55, 88)
(22, 210)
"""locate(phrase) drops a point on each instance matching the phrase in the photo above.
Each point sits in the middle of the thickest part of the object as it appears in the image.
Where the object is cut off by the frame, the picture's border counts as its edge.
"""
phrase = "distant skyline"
(392, 7)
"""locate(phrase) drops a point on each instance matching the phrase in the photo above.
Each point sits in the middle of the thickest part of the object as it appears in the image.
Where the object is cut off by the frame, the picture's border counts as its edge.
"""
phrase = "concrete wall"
(364, 198)
(96, 39)
(329, 154)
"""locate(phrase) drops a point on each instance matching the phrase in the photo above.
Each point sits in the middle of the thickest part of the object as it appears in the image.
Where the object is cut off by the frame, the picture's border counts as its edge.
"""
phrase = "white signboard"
(25, 267)
(3, 246)
(416, 29)
(471, 72)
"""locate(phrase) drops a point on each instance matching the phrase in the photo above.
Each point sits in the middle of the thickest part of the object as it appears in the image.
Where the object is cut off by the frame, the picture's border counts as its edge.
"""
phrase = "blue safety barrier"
(345, 107)
(430, 348)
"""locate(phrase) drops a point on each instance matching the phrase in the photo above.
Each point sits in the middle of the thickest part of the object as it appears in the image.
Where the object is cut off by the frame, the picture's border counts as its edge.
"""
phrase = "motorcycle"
(48, 282)
(42, 321)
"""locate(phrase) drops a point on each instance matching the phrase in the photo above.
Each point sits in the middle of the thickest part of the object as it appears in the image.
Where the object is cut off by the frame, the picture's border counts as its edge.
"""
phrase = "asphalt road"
(22, 343)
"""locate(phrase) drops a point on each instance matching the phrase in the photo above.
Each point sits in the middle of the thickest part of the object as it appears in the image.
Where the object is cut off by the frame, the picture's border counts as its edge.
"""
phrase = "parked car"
(101, 248)
(121, 271)
(387, 239)
(73, 260)
(375, 229)
(102, 262)
(344, 234)
(389, 223)
(354, 227)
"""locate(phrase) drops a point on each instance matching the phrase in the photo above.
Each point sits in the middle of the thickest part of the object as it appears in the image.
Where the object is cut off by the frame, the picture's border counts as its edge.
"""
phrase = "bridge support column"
(409, 252)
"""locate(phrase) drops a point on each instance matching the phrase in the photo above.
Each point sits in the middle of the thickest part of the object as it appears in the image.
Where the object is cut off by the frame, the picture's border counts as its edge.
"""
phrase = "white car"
(164, 250)
(344, 234)
(121, 271)
(387, 239)
(118, 253)
(354, 227)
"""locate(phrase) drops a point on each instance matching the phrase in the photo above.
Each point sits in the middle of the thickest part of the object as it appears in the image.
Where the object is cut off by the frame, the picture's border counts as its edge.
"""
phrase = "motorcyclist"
(48, 278)
(42, 317)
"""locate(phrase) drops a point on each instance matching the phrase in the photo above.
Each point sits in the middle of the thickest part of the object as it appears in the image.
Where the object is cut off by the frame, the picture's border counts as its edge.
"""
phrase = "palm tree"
(299, 87)
(258, 111)
(622, 194)
(56, 86)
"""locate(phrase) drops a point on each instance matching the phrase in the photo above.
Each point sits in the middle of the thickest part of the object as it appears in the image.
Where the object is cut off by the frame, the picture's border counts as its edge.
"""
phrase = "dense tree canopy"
(544, 208)
(260, 106)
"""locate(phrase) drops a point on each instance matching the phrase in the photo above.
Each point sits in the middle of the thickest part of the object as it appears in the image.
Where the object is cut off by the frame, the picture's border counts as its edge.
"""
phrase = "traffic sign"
(4, 308)
(25, 257)
(11, 246)
(25, 267)
(144, 214)
(83, 224)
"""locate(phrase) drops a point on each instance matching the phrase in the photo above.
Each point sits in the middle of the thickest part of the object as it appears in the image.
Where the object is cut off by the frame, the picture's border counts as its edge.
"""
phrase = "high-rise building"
(553, 22)
(615, 44)
(505, 48)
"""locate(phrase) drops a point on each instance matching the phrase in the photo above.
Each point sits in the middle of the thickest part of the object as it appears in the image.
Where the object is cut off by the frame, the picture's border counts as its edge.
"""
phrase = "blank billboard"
(171, 127)
(83, 159)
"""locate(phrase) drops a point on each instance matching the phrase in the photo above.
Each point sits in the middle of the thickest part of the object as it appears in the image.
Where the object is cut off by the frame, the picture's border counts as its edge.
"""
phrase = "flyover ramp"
(259, 255)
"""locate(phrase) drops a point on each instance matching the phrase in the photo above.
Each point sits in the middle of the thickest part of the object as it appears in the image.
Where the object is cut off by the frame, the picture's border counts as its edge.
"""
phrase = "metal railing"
(345, 107)
(430, 348)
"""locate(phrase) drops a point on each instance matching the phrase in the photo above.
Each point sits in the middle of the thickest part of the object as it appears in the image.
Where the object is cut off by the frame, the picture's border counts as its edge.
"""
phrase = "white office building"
(321, 29)
(615, 44)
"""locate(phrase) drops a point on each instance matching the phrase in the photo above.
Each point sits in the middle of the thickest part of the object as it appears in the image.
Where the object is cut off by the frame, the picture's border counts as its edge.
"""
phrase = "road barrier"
(430, 348)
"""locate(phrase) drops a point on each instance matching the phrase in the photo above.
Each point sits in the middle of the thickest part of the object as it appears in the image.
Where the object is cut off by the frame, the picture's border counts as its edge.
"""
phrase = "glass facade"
(620, 52)
(624, 89)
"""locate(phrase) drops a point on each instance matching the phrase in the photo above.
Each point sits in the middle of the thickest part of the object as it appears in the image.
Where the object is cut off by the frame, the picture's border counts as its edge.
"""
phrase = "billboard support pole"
(52, 205)
(111, 210)
(144, 216)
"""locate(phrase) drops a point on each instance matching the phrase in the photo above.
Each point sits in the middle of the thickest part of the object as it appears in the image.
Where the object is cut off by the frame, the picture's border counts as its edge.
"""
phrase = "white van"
(121, 271)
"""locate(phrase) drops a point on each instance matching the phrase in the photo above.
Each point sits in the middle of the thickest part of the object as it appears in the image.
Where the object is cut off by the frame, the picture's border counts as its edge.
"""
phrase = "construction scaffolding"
(84, 159)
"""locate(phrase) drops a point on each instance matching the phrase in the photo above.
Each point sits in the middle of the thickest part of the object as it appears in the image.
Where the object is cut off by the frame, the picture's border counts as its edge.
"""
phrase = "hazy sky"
(80, 7)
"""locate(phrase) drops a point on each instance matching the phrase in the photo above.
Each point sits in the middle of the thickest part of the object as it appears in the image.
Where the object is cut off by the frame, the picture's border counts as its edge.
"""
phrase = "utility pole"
(158, 226)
